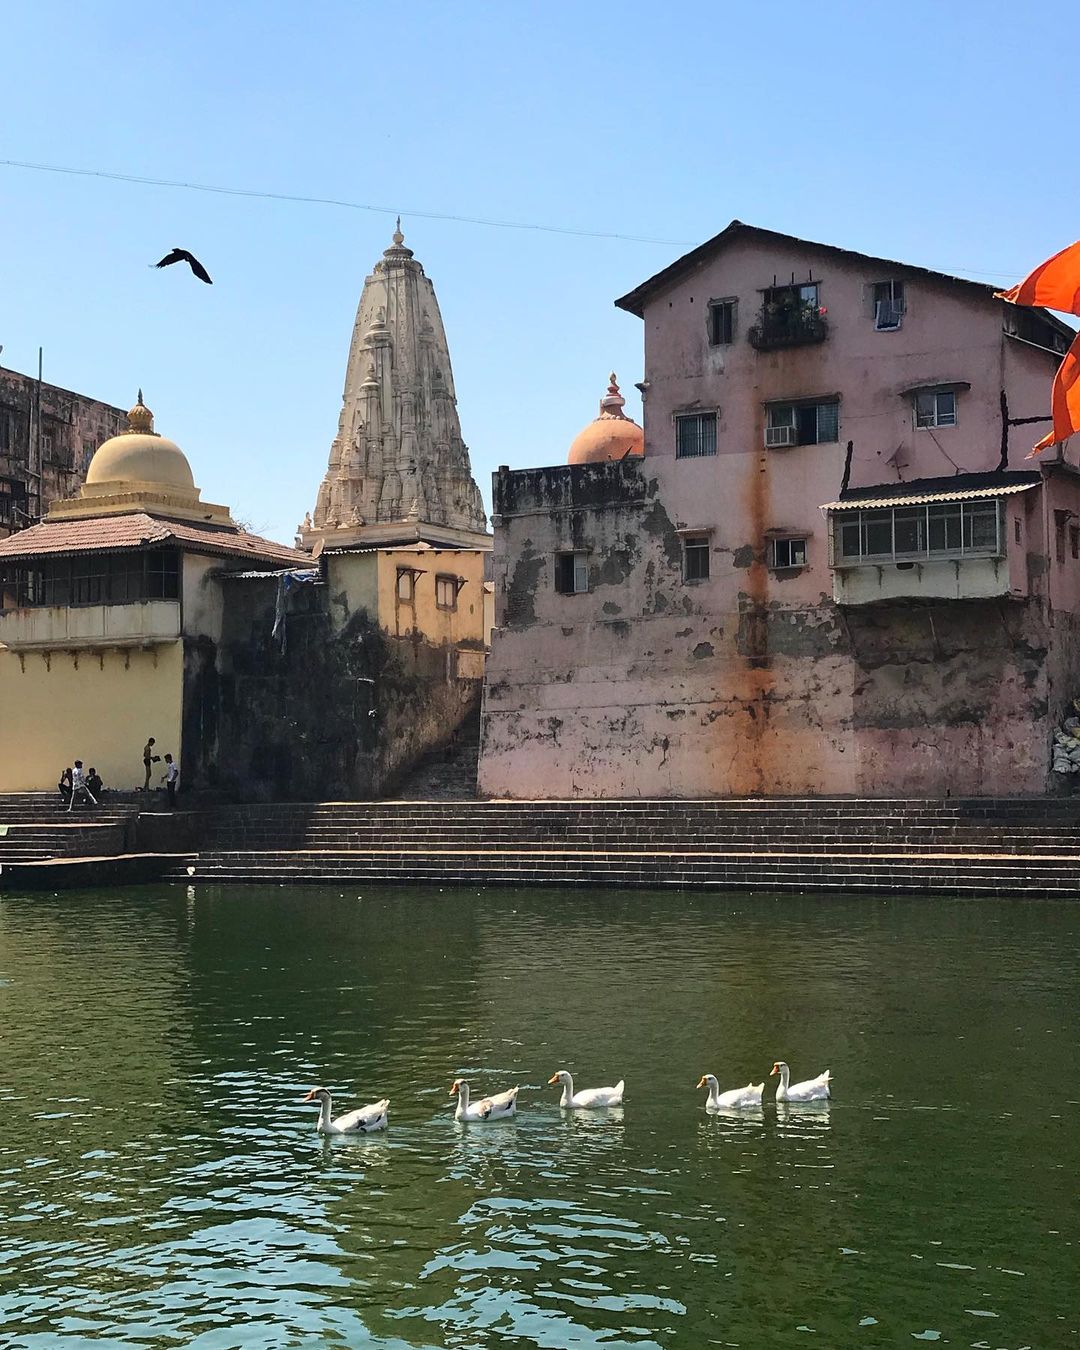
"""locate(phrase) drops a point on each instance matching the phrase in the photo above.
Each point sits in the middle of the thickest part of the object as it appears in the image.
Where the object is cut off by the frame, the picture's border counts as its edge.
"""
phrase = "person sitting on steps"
(78, 786)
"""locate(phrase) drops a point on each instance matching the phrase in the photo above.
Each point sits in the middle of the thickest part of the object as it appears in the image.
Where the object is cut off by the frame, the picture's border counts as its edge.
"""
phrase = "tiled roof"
(112, 534)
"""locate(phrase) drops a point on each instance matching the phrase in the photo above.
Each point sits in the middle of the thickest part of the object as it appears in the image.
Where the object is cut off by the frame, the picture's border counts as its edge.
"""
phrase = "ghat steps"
(1020, 847)
(961, 847)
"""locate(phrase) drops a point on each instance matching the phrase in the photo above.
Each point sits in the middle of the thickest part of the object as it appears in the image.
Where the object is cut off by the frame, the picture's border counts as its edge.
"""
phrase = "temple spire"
(398, 467)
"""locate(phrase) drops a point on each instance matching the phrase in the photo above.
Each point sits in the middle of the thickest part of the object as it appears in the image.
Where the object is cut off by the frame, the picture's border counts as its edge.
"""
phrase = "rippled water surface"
(161, 1184)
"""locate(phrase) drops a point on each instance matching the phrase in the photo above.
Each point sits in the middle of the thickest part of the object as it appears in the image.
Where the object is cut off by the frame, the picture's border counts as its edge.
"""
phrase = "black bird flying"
(182, 255)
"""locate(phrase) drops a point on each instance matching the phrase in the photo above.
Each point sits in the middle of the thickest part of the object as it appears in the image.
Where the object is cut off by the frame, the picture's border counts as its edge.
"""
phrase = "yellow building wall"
(465, 624)
(95, 706)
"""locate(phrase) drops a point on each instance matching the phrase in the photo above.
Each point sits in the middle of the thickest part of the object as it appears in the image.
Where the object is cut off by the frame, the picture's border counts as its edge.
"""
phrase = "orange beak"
(311, 1096)
(553, 1079)
(701, 1081)
(453, 1089)
(775, 1069)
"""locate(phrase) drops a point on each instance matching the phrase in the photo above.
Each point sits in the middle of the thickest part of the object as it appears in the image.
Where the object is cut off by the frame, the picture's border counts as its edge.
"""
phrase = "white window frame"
(896, 298)
(698, 415)
(937, 421)
(788, 540)
(581, 571)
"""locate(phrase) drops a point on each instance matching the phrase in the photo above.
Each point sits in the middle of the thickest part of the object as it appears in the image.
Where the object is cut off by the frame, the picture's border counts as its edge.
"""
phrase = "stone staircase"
(1013, 847)
(447, 774)
(36, 825)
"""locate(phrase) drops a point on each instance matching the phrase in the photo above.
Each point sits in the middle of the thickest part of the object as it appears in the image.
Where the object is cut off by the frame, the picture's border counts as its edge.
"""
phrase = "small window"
(1030, 325)
(789, 553)
(721, 322)
(935, 409)
(696, 557)
(406, 585)
(806, 423)
(446, 592)
(695, 435)
(163, 575)
(889, 305)
(571, 573)
(1074, 541)
(1016, 530)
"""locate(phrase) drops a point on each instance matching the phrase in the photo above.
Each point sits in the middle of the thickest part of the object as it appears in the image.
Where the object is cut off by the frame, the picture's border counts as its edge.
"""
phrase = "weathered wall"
(941, 677)
(72, 428)
(647, 685)
(338, 708)
(95, 706)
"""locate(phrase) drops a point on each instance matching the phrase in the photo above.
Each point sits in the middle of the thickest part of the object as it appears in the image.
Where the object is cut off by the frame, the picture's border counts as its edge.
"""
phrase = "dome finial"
(611, 435)
(399, 238)
(612, 404)
(141, 419)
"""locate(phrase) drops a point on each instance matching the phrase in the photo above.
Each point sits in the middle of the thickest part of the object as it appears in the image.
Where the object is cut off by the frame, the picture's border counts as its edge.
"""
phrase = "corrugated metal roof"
(870, 502)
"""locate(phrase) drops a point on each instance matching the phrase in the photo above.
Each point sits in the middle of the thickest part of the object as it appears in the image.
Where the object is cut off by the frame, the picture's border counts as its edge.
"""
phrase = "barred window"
(695, 435)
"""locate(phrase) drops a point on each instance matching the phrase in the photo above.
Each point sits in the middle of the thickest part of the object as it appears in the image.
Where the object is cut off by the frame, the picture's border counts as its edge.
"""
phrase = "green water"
(162, 1185)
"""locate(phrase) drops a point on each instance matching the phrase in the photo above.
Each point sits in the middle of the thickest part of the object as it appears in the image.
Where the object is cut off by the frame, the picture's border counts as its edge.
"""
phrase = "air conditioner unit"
(888, 314)
(778, 438)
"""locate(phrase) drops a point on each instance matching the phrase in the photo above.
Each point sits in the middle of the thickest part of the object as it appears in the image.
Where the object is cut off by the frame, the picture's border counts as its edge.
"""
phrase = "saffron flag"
(1064, 400)
(1054, 284)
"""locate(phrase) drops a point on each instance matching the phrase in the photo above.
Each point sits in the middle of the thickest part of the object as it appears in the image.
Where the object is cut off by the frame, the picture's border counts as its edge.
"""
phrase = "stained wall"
(755, 681)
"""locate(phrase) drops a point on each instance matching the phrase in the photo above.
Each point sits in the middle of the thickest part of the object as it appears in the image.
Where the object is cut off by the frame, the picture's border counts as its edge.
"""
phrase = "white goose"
(364, 1120)
(588, 1098)
(496, 1107)
(734, 1098)
(810, 1090)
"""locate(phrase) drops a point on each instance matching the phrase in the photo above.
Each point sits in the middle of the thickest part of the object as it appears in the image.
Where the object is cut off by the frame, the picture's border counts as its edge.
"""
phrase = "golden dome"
(140, 455)
(612, 435)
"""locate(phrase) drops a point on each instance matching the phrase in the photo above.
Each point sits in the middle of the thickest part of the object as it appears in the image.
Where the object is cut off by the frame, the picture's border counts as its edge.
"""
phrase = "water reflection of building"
(832, 570)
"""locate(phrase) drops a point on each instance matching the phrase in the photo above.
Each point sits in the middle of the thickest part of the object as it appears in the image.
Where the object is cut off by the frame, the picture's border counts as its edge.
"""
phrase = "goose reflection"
(475, 1152)
(351, 1151)
(808, 1118)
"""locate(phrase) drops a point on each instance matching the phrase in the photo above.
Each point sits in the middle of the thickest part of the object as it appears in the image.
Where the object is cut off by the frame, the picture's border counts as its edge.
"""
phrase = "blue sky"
(934, 133)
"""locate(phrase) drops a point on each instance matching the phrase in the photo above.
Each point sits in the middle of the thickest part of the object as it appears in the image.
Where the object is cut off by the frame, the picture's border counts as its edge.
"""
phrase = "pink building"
(832, 571)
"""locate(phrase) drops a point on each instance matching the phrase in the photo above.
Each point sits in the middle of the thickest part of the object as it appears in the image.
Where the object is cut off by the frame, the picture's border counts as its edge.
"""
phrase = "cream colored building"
(398, 469)
(136, 609)
(99, 602)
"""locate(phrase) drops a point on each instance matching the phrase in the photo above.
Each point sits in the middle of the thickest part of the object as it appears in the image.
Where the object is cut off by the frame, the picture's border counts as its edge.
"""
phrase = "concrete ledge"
(61, 874)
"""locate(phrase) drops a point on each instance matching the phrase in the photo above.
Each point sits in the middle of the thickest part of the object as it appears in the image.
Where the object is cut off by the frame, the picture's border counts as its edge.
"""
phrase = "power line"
(334, 201)
(256, 193)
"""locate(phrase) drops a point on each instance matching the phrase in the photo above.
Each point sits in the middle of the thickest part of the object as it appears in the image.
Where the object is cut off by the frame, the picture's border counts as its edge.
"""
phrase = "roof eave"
(634, 301)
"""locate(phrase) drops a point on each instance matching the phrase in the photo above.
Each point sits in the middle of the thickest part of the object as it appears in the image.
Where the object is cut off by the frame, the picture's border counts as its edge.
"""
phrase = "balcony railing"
(788, 326)
(145, 623)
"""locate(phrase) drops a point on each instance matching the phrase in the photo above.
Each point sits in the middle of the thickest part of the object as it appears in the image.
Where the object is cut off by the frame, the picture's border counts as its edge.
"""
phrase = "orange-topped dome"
(612, 435)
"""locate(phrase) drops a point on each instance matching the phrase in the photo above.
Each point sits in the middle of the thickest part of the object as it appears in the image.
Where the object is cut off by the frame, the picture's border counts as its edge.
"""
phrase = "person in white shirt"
(172, 773)
(78, 785)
